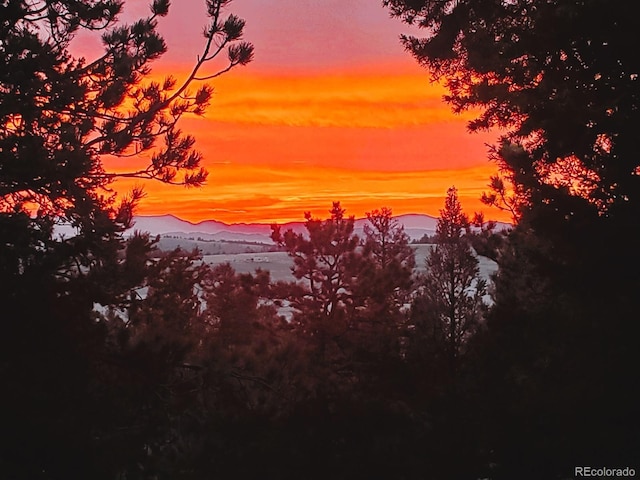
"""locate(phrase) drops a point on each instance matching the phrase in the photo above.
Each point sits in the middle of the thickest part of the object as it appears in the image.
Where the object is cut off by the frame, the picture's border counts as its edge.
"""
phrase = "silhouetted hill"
(416, 225)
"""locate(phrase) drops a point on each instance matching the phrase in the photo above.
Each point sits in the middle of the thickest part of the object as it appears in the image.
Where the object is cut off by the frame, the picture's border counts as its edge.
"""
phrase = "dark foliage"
(449, 307)
(89, 368)
(561, 78)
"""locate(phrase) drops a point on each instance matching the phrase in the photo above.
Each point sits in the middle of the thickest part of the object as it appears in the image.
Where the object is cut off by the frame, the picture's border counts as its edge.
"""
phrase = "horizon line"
(287, 222)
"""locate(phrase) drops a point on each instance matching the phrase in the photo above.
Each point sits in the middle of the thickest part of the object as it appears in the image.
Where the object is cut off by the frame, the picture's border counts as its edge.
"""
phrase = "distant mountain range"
(415, 225)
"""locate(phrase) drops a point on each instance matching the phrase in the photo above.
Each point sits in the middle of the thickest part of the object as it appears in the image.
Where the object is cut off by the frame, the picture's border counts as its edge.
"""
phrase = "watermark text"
(602, 472)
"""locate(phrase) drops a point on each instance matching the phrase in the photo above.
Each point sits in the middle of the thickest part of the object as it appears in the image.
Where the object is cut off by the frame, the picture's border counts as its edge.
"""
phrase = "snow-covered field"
(279, 263)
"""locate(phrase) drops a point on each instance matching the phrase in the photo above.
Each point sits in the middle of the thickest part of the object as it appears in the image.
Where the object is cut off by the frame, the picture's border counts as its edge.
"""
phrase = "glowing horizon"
(285, 200)
(296, 130)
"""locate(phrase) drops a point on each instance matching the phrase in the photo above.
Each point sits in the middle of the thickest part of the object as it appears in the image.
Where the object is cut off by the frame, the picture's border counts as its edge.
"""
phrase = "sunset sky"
(332, 108)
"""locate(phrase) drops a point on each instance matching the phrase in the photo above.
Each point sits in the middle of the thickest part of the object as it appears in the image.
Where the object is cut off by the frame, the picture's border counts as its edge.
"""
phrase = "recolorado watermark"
(604, 472)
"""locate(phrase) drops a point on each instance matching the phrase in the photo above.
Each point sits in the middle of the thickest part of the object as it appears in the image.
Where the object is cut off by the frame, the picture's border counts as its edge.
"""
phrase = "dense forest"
(118, 363)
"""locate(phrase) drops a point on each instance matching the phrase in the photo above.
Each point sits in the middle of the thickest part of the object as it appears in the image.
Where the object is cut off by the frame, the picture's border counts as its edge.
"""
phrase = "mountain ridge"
(415, 225)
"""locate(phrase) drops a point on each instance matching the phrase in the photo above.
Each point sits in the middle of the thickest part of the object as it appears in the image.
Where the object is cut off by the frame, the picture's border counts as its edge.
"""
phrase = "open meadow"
(279, 263)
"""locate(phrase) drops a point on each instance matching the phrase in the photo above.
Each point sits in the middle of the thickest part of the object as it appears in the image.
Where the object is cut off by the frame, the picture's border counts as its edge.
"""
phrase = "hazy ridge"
(415, 225)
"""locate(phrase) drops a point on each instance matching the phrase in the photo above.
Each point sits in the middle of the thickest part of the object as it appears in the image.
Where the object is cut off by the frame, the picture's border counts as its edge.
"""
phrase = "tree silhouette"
(326, 259)
(61, 115)
(561, 79)
(387, 244)
(450, 305)
(60, 118)
(383, 289)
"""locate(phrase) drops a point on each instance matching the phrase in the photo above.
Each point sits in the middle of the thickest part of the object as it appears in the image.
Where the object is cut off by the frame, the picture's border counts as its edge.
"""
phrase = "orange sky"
(296, 130)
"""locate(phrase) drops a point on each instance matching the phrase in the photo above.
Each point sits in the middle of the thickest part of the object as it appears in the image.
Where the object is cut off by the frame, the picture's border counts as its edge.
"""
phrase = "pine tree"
(560, 77)
(450, 306)
(383, 288)
(387, 245)
(60, 117)
(327, 260)
(561, 80)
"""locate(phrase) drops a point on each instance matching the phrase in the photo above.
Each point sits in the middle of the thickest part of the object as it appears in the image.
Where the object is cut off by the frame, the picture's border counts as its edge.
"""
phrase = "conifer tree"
(387, 245)
(561, 80)
(383, 287)
(326, 258)
(60, 117)
(560, 77)
(450, 305)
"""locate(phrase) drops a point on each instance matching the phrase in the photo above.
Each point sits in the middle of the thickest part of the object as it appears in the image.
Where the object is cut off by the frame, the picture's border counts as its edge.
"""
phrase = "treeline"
(163, 367)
